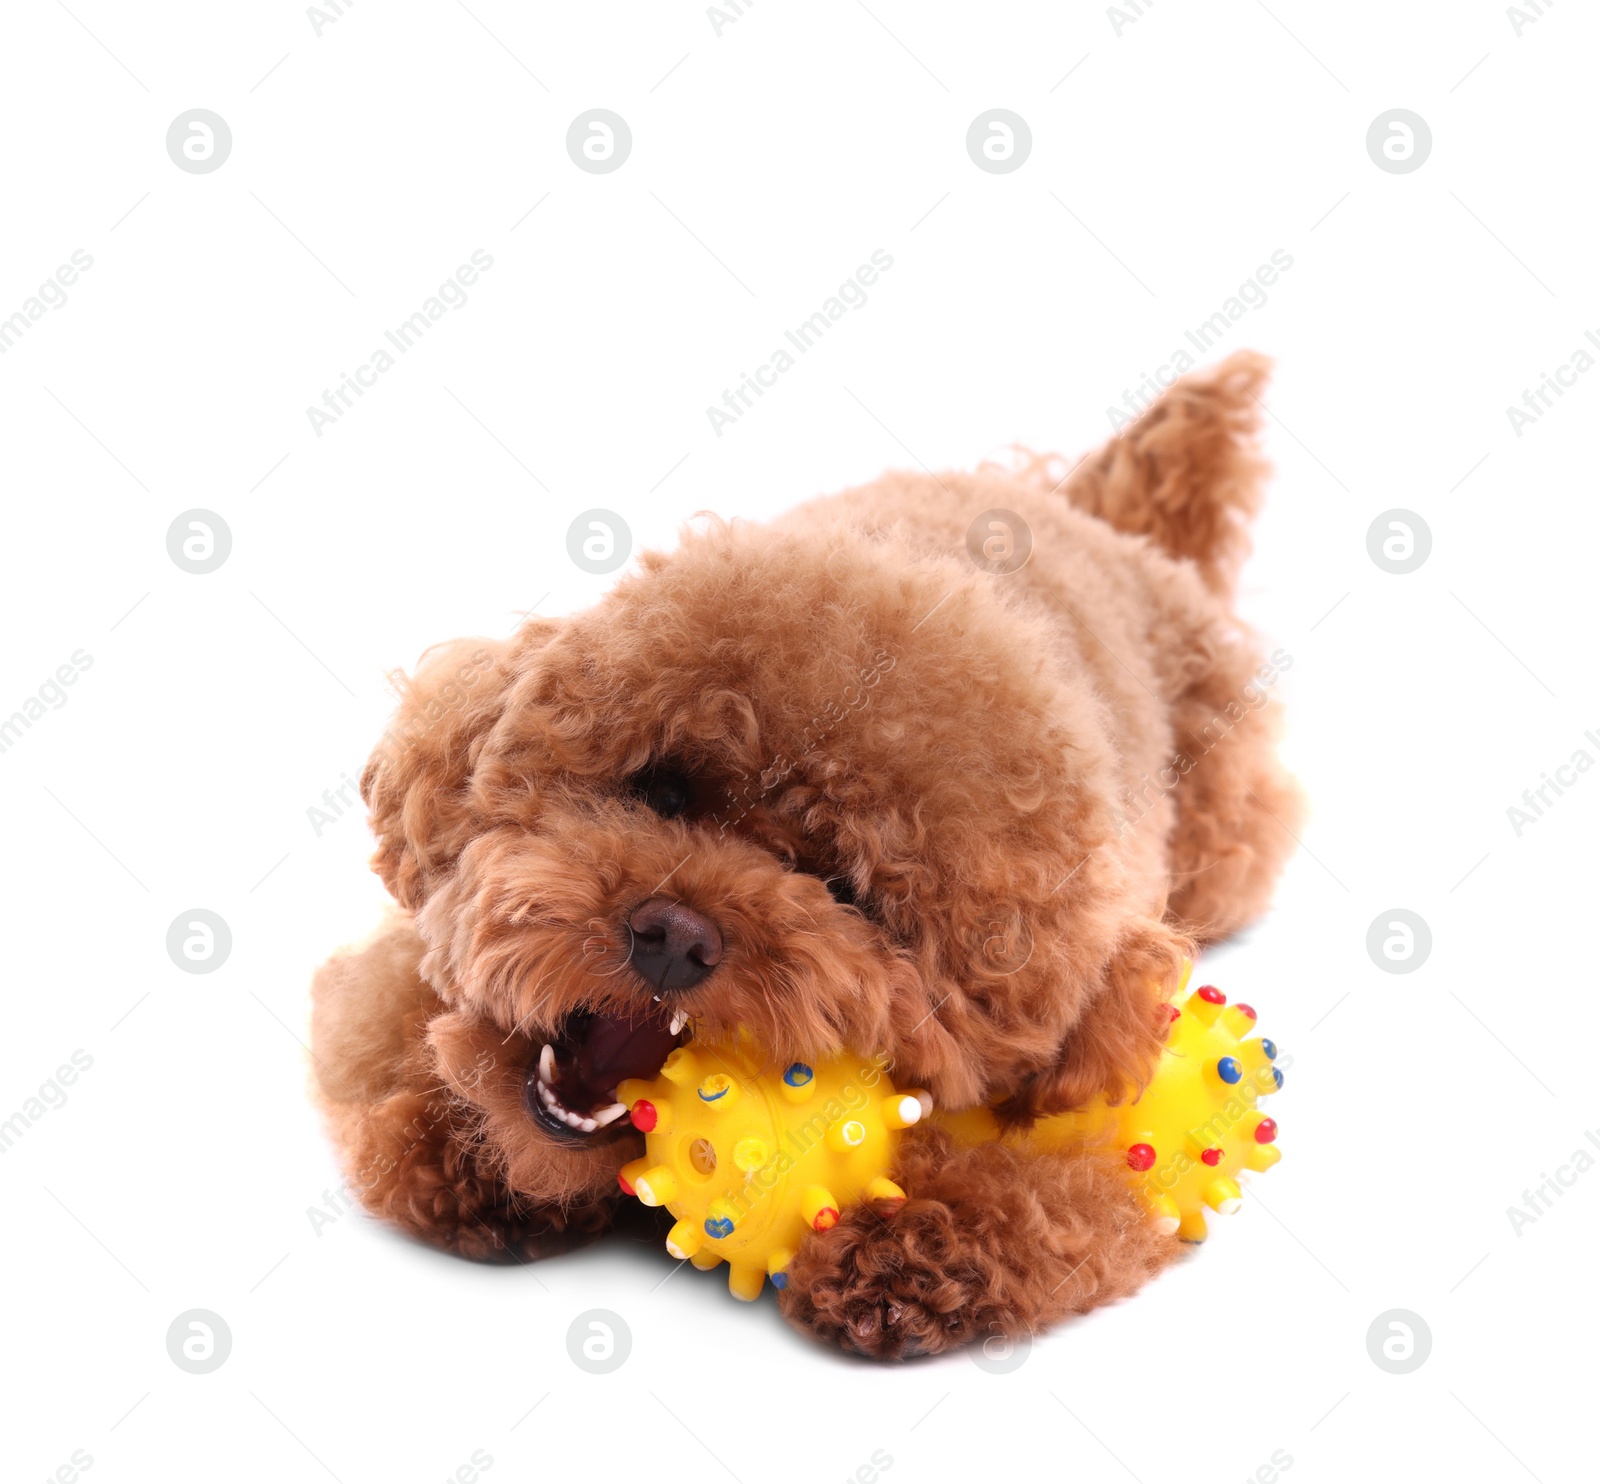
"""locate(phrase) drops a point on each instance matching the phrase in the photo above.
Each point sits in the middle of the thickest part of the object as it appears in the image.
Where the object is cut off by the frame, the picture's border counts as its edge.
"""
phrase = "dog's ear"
(415, 783)
(1111, 1048)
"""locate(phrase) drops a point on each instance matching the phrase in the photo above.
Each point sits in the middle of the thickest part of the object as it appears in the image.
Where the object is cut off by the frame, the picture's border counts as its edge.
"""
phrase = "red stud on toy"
(643, 1115)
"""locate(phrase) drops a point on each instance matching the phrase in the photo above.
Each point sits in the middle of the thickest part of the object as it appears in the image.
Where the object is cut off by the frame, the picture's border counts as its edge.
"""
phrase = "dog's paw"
(893, 1280)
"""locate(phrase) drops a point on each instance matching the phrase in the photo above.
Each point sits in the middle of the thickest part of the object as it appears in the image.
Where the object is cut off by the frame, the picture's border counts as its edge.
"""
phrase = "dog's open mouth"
(571, 1090)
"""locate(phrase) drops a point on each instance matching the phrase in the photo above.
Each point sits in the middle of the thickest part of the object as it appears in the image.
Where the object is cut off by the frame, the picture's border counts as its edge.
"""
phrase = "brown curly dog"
(840, 782)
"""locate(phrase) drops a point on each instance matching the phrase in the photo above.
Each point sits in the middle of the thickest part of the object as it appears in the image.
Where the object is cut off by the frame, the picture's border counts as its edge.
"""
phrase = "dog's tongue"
(615, 1047)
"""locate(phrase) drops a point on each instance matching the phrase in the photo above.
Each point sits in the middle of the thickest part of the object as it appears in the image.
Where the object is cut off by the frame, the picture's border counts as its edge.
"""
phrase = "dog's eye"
(664, 790)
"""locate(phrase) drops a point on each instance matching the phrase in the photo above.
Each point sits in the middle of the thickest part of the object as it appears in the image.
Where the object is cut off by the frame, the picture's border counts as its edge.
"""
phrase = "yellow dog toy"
(749, 1161)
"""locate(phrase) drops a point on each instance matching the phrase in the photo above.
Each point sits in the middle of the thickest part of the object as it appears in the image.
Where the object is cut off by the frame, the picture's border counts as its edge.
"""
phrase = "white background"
(1168, 162)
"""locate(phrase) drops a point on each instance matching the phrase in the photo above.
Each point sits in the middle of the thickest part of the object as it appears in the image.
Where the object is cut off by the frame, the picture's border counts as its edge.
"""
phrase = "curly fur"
(994, 1244)
(986, 759)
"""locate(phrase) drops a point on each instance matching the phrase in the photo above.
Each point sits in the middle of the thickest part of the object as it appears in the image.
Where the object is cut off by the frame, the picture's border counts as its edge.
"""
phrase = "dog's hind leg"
(1188, 475)
(1238, 811)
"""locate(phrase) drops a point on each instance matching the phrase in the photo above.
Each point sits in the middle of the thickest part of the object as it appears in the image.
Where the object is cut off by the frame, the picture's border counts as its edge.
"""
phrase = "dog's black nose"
(674, 947)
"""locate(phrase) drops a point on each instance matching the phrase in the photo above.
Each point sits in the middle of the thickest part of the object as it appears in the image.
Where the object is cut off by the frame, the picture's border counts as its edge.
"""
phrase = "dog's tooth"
(548, 1096)
(588, 1125)
(603, 1116)
(678, 1019)
(547, 1062)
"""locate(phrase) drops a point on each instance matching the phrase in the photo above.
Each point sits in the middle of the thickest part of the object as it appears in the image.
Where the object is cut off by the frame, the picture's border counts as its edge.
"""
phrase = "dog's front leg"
(410, 1137)
(992, 1243)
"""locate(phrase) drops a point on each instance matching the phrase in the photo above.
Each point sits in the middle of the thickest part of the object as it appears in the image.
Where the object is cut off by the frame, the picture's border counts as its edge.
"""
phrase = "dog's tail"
(1188, 472)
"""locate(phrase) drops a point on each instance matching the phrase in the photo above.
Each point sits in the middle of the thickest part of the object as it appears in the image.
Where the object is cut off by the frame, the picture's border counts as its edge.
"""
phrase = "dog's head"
(797, 782)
